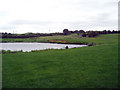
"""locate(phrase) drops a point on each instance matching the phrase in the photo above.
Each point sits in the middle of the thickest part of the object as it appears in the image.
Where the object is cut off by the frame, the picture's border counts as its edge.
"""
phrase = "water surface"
(35, 46)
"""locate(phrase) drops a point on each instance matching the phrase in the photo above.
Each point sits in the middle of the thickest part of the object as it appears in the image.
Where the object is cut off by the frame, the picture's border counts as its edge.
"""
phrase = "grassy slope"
(94, 66)
(70, 38)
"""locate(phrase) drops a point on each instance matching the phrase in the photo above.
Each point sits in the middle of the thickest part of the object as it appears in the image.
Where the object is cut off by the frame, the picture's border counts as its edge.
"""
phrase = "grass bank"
(84, 67)
(73, 38)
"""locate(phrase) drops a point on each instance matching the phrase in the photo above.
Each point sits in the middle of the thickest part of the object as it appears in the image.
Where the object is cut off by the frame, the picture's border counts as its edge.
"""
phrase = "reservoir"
(35, 46)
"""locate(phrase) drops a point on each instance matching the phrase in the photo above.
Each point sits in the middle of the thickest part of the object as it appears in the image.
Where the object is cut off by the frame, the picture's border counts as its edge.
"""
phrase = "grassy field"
(74, 38)
(84, 67)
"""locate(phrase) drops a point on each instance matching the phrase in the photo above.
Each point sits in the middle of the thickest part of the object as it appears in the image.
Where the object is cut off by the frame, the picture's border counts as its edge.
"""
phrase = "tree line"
(81, 33)
(26, 35)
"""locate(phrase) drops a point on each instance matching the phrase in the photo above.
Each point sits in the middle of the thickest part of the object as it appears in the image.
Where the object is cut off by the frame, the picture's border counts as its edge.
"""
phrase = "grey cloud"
(24, 22)
(96, 4)
(3, 13)
(105, 19)
(112, 3)
(102, 20)
(77, 7)
(6, 28)
(101, 17)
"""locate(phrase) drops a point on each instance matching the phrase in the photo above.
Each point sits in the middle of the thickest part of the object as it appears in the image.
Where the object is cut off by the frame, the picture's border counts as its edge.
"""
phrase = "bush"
(9, 51)
(92, 33)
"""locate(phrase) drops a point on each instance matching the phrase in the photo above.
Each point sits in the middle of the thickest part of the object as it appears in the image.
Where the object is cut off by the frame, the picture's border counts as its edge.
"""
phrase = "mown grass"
(84, 67)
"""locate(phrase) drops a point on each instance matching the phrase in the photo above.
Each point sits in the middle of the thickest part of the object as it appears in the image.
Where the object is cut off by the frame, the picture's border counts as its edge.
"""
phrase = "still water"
(35, 46)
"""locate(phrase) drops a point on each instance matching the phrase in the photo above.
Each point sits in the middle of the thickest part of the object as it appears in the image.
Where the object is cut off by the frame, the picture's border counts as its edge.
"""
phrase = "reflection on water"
(35, 46)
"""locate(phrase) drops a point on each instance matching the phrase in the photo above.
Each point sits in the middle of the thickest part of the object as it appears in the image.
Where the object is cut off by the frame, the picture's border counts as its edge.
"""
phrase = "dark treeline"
(81, 33)
(27, 35)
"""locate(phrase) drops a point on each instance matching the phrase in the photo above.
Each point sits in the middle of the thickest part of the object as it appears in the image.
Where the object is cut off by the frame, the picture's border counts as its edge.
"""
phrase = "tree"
(92, 33)
(104, 32)
(81, 31)
(84, 35)
(66, 31)
(109, 32)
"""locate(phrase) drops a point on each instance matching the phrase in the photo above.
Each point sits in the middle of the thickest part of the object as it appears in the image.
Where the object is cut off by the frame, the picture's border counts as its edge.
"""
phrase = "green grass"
(85, 67)
(70, 38)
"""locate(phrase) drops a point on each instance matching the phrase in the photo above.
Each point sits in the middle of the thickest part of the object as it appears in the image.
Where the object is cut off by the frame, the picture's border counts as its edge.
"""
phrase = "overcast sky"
(44, 16)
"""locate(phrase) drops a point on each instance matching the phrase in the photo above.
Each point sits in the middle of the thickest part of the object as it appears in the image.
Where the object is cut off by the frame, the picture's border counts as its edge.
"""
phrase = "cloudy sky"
(44, 16)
